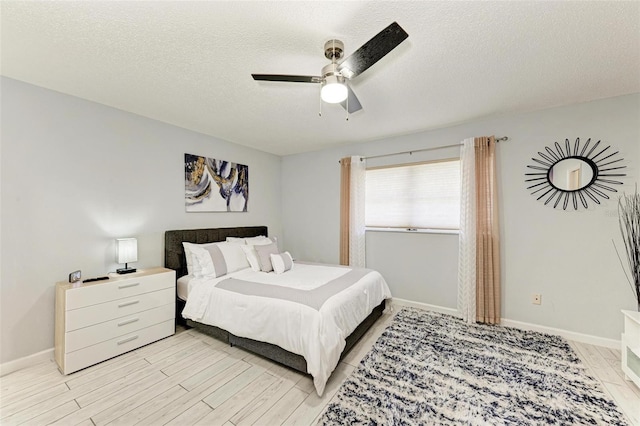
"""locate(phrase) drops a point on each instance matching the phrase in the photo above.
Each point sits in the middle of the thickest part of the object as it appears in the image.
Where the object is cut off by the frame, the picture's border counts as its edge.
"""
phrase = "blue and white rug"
(433, 369)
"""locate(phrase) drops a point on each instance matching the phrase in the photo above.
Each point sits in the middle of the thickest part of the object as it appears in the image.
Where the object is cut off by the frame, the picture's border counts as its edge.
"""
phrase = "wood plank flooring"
(193, 379)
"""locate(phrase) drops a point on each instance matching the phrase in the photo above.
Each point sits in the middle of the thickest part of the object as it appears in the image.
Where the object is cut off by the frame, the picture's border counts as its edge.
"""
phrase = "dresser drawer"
(90, 355)
(90, 315)
(87, 336)
(117, 288)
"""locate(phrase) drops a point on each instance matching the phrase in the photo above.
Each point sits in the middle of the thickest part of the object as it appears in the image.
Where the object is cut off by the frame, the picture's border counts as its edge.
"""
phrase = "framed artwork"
(212, 185)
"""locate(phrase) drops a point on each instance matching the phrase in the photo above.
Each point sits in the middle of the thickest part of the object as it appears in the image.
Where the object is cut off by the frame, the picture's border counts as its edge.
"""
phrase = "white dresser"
(102, 319)
(631, 346)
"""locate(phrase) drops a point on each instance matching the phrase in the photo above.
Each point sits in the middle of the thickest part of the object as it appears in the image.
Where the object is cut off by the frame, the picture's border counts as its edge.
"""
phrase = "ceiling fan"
(335, 76)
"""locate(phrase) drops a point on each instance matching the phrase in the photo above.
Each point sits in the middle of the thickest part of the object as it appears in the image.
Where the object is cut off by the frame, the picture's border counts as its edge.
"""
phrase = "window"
(423, 196)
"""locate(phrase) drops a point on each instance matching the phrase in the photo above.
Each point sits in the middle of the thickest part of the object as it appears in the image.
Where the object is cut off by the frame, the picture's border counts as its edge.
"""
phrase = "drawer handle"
(121, 286)
(128, 339)
(129, 321)
(133, 302)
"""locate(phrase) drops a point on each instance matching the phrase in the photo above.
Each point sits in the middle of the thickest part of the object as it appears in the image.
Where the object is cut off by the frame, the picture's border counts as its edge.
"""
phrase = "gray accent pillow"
(281, 262)
(264, 256)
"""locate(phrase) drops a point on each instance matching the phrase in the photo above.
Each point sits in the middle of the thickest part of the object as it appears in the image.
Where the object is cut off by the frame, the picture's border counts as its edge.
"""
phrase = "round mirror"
(574, 175)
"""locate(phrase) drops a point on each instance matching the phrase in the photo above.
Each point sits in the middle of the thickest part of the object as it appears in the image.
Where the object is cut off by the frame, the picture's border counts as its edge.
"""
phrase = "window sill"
(415, 231)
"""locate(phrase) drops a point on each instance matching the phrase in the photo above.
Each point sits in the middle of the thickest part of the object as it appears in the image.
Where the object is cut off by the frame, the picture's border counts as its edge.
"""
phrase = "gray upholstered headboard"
(174, 251)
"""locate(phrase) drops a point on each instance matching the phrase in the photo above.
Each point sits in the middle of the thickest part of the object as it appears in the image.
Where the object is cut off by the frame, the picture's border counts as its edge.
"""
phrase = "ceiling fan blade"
(354, 103)
(287, 78)
(373, 50)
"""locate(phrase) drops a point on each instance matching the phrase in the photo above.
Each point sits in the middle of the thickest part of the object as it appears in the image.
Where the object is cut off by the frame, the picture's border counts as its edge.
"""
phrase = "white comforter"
(318, 335)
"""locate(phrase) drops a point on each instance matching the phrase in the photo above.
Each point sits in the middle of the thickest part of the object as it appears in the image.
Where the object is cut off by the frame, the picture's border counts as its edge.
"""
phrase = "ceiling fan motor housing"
(333, 50)
(331, 69)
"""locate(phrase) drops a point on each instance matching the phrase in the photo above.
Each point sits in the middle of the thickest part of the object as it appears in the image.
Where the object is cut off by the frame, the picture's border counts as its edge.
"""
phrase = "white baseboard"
(27, 361)
(435, 308)
(569, 335)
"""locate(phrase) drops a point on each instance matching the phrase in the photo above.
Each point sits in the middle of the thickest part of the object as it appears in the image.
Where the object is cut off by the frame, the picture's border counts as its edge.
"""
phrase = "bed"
(233, 309)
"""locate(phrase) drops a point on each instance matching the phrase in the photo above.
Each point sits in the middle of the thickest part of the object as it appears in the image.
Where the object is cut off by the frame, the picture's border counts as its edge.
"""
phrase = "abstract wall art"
(212, 185)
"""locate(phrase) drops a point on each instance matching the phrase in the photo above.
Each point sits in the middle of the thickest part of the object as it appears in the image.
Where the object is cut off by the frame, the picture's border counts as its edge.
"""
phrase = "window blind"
(425, 195)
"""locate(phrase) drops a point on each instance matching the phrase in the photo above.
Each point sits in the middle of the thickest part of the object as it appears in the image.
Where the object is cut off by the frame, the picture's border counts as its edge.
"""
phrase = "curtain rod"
(503, 138)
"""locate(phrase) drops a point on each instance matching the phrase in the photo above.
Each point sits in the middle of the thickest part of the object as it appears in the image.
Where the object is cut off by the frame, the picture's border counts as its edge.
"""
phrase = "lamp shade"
(126, 250)
(334, 90)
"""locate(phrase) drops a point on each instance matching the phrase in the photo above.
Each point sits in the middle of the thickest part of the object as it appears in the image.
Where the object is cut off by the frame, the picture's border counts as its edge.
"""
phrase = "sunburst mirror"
(565, 176)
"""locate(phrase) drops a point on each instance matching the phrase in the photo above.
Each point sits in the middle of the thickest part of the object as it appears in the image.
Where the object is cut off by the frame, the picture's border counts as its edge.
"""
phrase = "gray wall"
(427, 263)
(566, 256)
(75, 176)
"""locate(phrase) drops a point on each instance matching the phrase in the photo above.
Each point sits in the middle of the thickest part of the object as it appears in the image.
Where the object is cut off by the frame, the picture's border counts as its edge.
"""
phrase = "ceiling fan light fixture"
(334, 90)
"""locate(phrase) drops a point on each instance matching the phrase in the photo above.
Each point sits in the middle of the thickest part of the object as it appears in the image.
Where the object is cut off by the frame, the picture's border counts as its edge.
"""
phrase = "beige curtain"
(487, 233)
(352, 205)
(345, 199)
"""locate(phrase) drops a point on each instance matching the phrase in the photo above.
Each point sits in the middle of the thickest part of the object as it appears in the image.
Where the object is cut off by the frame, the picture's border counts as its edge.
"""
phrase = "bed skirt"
(276, 353)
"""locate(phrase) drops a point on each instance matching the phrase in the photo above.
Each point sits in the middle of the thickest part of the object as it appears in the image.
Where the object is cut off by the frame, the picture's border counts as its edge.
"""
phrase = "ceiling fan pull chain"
(320, 98)
(347, 107)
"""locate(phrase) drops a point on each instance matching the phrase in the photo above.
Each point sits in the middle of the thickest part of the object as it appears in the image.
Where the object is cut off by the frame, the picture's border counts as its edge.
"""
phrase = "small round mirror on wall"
(573, 176)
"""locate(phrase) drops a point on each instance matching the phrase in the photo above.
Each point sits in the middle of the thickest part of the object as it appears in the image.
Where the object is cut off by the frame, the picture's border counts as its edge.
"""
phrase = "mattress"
(183, 286)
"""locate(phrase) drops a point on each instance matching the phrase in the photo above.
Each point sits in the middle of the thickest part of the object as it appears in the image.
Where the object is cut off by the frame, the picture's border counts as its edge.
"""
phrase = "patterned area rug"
(433, 369)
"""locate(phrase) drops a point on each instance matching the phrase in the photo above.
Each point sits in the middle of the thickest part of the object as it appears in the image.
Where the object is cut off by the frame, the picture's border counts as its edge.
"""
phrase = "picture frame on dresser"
(96, 321)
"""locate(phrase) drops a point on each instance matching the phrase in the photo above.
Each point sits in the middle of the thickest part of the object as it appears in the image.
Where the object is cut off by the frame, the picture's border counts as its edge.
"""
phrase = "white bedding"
(316, 334)
(184, 286)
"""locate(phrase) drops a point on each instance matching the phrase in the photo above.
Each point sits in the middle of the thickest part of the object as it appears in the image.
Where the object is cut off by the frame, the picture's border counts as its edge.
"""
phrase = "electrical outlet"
(536, 299)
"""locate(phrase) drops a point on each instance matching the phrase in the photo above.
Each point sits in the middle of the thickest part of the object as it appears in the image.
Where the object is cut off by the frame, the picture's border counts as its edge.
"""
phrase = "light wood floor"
(190, 378)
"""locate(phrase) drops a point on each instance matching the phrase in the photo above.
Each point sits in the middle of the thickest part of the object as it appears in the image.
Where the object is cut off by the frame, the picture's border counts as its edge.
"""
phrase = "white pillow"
(233, 256)
(281, 262)
(245, 240)
(215, 259)
(250, 251)
(260, 240)
(188, 255)
(236, 240)
(203, 263)
(252, 257)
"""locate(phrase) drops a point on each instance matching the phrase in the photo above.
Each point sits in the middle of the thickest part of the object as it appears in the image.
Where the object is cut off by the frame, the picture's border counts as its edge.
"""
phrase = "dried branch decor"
(629, 217)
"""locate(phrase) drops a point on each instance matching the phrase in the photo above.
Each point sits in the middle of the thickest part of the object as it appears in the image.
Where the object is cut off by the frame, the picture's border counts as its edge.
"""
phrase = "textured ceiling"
(189, 63)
